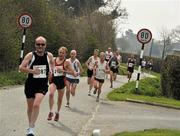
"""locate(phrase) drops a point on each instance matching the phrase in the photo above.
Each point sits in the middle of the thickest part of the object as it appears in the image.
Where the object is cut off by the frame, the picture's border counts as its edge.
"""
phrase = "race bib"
(42, 69)
(108, 57)
(113, 63)
(130, 65)
(57, 72)
(100, 72)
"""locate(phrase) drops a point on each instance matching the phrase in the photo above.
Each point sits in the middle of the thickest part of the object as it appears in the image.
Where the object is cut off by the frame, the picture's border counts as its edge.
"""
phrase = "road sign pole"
(24, 21)
(139, 68)
(143, 36)
(22, 47)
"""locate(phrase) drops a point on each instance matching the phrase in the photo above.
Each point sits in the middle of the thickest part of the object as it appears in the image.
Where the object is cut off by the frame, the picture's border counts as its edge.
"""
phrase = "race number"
(130, 65)
(57, 71)
(25, 20)
(42, 69)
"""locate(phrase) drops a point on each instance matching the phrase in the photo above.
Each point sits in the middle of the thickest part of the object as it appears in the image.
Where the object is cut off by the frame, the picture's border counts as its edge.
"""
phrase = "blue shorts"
(72, 81)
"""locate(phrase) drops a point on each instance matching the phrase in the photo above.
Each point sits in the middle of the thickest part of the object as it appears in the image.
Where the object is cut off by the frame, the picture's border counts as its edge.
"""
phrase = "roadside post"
(144, 36)
(24, 21)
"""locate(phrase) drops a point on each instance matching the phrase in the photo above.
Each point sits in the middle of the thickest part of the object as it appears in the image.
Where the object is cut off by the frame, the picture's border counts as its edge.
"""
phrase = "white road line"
(84, 129)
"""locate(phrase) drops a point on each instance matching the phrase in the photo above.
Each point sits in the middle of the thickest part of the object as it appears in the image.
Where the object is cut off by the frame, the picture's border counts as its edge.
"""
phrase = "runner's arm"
(80, 67)
(69, 69)
(107, 70)
(87, 62)
(52, 66)
(51, 62)
(23, 67)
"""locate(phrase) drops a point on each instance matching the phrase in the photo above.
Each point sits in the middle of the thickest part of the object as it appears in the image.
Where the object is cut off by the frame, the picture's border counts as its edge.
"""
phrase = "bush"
(170, 77)
(12, 78)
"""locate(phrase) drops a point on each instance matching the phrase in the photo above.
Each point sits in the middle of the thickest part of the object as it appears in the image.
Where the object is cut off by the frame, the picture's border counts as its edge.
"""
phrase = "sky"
(154, 15)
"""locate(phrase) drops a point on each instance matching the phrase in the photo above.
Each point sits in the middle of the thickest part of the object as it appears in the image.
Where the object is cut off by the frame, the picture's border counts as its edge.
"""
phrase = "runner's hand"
(36, 71)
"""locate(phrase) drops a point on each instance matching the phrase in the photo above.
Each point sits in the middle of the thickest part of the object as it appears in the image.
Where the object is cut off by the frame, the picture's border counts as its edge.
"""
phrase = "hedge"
(170, 77)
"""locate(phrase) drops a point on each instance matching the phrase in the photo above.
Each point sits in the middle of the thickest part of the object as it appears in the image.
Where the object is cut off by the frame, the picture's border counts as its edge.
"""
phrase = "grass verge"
(149, 91)
(151, 132)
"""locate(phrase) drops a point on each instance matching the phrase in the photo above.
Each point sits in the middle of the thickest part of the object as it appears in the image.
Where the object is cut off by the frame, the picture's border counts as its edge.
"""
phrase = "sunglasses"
(38, 44)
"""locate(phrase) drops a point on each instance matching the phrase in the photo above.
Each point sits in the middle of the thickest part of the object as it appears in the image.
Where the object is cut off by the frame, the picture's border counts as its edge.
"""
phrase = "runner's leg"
(30, 103)
(67, 92)
(36, 106)
(51, 96)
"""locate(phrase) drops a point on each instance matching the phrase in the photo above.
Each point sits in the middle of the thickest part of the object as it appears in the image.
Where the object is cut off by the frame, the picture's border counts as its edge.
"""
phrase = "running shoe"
(50, 115)
(89, 93)
(56, 118)
(67, 104)
(30, 135)
(30, 132)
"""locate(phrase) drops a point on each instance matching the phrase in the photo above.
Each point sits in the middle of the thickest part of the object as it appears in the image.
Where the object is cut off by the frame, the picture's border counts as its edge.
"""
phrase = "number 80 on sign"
(25, 20)
(144, 36)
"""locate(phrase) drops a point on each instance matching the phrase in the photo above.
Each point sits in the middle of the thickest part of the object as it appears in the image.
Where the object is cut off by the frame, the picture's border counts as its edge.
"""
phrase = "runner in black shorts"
(108, 56)
(90, 66)
(100, 70)
(37, 64)
(58, 82)
(114, 65)
(130, 68)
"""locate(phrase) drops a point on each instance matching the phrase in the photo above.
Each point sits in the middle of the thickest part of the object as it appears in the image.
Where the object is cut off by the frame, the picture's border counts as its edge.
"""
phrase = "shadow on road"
(78, 111)
(62, 127)
(106, 104)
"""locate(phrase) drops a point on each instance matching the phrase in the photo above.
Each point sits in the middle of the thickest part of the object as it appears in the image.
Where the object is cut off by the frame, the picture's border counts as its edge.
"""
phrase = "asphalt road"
(85, 114)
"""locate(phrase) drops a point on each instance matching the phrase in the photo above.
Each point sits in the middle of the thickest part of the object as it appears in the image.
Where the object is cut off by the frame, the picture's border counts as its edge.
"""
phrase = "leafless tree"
(176, 34)
(166, 36)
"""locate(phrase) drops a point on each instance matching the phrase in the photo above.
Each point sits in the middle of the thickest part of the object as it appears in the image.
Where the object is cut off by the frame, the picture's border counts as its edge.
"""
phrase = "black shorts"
(72, 81)
(35, 86)
(130, 69)
(89, 73)
(107, 60)
(99, 80)
(114, 70)
(59, 82)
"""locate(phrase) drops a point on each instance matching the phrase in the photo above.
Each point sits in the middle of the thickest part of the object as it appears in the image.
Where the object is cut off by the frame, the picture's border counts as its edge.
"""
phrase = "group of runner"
(60, 72)
(99, 66)
(43, 68)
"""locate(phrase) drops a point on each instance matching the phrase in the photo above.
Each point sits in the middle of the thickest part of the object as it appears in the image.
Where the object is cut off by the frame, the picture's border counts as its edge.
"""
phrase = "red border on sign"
(22, 15)
(146, 30)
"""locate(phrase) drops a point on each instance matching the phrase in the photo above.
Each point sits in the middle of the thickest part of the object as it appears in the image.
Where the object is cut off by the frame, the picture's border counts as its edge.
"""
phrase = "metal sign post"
(24, 21)
(143, 36)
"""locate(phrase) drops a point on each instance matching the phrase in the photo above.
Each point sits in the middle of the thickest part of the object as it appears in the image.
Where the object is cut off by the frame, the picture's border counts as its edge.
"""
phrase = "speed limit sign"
(25, 20)
(144, 36)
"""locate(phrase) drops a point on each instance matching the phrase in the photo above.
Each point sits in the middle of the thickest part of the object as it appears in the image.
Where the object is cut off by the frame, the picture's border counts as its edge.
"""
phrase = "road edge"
(152, 103)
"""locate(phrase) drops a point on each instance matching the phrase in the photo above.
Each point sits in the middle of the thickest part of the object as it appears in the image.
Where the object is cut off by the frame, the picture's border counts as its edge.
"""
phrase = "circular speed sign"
(144, 36)
(25, 20)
